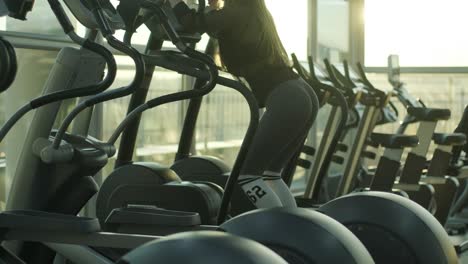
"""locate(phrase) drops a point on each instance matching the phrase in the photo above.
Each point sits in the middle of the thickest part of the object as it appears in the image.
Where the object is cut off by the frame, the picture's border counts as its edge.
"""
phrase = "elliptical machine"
(345, 246)
(365, 218)
(74, 160)
(376, 218)
(8, 63)
(132, 205)
(74, 237)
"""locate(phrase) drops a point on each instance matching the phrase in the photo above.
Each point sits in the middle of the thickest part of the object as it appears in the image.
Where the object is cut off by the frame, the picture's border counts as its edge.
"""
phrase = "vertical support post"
(356, 32)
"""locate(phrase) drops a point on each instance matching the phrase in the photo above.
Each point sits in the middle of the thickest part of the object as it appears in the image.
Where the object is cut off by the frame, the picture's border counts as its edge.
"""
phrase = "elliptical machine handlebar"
(82, 12)
(383, 97)
(73, 93)
(331, 75)
(53, 153)
(190, 52)
(213, 78)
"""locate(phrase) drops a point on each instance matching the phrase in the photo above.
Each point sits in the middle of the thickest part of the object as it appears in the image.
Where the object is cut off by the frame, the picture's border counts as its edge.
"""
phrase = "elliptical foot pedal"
(39, 220)
(150, 215)
(151, 220)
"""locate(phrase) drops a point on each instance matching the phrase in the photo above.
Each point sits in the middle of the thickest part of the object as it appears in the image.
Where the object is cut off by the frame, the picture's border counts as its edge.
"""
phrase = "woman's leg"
(272, 175)
(289, 107)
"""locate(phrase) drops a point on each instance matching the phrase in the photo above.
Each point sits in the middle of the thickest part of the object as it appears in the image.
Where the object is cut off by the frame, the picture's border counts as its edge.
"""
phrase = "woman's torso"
(243, 54)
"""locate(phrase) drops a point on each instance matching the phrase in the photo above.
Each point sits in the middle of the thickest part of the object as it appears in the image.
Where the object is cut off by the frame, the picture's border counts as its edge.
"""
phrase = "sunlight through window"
(422, 32)
(291, 21)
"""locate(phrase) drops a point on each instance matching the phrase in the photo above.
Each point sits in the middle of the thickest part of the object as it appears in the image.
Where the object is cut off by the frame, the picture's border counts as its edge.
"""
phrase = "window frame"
(432, 70)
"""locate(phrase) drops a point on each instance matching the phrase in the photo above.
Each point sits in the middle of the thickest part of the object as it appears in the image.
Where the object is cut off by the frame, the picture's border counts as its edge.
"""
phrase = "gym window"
(424, 33)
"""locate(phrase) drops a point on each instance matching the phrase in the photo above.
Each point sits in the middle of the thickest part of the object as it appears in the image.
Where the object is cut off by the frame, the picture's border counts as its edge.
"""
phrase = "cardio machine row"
(433, 184)
(140, 203)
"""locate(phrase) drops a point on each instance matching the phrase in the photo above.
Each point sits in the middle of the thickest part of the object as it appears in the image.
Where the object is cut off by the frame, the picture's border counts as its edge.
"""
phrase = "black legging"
(291, 109)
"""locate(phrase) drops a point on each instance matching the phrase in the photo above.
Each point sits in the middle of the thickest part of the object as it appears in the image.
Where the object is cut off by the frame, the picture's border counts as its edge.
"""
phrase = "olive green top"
(238, 35)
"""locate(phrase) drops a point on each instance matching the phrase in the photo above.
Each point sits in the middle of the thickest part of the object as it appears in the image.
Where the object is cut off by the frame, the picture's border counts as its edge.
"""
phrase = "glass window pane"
(333, 30)
(446, 91)
(40, 21)
(222, 124)
(159, 129)
(423, 33)
(292, 23)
